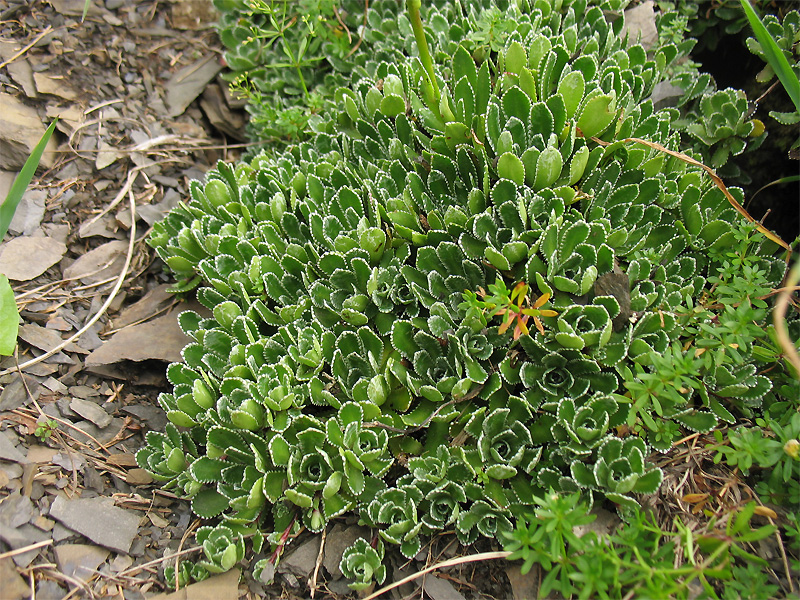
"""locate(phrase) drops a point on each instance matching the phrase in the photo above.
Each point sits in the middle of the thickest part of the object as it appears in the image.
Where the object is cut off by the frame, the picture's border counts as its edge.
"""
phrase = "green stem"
(413, 7)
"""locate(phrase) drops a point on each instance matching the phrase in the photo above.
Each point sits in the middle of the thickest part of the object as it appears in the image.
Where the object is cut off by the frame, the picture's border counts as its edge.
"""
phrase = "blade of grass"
(775, 57)
(85, 10)
(9, 206)
(783, 180)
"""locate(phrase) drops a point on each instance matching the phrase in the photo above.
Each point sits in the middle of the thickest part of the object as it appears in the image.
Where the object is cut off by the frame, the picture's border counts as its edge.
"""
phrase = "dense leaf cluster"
(352, 359)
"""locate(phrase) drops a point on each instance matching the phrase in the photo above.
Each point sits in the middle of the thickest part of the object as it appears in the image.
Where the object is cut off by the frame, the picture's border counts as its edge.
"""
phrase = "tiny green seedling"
(45, 430)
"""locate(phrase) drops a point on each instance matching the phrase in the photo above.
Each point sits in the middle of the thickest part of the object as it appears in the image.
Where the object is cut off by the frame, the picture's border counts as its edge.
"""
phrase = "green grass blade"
(9, 206)
(775, 57)
(9, 318)
(85, 10)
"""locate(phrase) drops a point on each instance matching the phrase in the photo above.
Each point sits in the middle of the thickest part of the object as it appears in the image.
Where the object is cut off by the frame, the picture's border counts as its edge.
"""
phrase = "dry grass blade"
(447, 563)
(35, 41)
(25, 549)
(780, 319)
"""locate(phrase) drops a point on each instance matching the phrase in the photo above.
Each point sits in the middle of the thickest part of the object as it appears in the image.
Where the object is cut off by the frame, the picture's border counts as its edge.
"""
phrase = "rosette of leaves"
(786, 33)
(318, 484)
(221, 546)
(580, 327)
(547, 375)
(360, 447)
(570, 263)
(722, 126)
(167, 457)
(485, 519)
(443, 480)
(363, 563)
(187, 573)
(394, 510)
(584, 426)
(504, 444)
(618, 470)
(235, 475)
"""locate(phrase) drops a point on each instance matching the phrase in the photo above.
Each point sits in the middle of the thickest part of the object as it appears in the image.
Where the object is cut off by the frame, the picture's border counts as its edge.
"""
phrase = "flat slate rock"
(440, 589)
(14, 586)
(102, 263)
(300, 562)
(220, 587)
(91, 411)
(8, 451)
(339, 538)
(159, 339)
(80, 561)
(25, 258)
(21, 128)
(98, 520)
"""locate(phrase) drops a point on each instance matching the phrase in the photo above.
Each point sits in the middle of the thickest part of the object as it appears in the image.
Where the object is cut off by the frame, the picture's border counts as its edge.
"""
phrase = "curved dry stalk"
(779, 316)
(447, 563)
(103, 308)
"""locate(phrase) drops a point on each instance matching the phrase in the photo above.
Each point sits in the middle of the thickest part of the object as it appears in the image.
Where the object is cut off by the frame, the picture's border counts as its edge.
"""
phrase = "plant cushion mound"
(373, 291)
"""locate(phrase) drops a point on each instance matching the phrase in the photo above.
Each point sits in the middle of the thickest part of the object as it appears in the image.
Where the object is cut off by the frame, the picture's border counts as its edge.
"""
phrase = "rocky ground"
(141, 112)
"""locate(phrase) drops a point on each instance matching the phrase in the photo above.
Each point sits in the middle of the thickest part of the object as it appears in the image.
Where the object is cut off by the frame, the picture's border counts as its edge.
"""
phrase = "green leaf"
(9, 318)
(209, 503)
(775, 56)
(571, 89)
(548, 168)
(510, 167)
(516, 58)
(11, 201)
(392, 105)
(597, 115)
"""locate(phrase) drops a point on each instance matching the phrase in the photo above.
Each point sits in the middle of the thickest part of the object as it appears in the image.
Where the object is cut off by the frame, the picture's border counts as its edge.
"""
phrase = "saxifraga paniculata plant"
(463, 291)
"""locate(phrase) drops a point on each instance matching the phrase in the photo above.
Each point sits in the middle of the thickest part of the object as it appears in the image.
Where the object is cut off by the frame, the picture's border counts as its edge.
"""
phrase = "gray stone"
(102, 263)
(8, 450)
(665, 94)
(21, 72)
(29, 213)
(15, 395)
(69, 461)
(99, 520)
(188, 83)
(103, 436)
(79, 561)
(91, 411)
(45, 339)
(21, 537)
(300, 562)
(6, 179)
(219, 587)
(159, 339)
(440, 589)
(25, 258)
(337, 541)
(523, 586)
(640, 24)
(21, 128)
(13, 586)
(47, 589)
